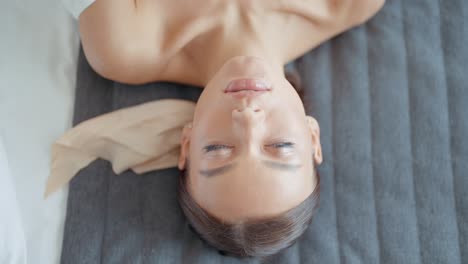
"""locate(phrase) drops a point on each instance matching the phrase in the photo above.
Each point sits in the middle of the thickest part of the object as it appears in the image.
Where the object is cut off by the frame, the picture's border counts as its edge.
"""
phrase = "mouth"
(248, 86)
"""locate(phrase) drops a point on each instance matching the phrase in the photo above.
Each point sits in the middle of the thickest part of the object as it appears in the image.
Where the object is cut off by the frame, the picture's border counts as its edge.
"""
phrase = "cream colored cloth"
(142, 138)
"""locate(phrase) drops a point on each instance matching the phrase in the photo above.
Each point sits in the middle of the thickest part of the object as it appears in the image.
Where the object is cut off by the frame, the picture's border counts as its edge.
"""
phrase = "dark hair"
(257, 237)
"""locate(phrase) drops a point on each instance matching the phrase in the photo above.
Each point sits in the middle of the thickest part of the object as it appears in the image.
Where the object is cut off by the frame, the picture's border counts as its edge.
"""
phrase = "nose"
(248, 122)
(248, 116)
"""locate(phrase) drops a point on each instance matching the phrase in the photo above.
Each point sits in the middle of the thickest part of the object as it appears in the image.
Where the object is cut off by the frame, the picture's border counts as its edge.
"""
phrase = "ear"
(184, 145)
(315, 133)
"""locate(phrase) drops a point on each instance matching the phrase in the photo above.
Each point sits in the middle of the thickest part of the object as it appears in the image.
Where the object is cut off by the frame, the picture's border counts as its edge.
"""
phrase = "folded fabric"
(143, 138)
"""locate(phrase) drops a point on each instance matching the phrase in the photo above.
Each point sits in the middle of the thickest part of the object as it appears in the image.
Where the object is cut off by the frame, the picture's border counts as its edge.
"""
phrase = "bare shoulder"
(348, 11)
(118, 40)
(320, 20)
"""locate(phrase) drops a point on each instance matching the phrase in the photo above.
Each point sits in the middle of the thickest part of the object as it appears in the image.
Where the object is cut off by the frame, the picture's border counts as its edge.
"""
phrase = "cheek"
(287, 120)
(292, 98)
(212, 105)
(293, 109)
(214, 121)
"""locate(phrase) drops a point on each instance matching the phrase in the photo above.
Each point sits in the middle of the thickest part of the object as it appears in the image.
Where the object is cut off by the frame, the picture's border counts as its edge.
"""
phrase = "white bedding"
(12, 241)
(38, 57)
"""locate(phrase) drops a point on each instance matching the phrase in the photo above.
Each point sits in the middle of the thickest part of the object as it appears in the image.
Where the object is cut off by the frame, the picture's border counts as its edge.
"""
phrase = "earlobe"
(184, 145)
(315, 134)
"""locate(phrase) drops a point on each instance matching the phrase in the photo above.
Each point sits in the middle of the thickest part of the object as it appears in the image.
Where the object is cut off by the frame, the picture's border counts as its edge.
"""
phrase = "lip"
(248, 86)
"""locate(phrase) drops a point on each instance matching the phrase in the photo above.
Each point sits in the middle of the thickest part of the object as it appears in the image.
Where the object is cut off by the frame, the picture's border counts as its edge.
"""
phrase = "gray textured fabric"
(391, 98)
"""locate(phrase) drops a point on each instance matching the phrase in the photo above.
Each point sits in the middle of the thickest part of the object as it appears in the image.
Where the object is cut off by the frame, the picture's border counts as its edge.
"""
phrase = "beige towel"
(142, 138)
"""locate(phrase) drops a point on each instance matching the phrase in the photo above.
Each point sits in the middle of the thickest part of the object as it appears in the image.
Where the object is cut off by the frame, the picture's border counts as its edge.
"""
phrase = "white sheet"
(12, 241)
(38, 57)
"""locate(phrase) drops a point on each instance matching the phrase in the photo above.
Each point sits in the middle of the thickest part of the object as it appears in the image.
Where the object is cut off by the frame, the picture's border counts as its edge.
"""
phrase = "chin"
(246, 66)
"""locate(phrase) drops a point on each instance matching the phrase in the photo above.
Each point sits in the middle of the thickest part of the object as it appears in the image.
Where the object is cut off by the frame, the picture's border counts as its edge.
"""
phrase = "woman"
(249, 156)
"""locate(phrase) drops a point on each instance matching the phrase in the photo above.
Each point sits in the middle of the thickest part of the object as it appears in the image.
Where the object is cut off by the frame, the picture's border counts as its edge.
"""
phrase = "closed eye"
(282, 145)
(281, 149)
(215, 147)
(218, 147)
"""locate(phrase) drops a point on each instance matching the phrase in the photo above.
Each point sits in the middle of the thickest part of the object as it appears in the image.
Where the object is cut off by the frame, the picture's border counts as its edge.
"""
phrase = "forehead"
(251, 191)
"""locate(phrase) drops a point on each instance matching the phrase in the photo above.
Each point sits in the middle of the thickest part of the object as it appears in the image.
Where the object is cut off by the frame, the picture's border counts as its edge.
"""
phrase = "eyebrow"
(217, 171)
(268, 163)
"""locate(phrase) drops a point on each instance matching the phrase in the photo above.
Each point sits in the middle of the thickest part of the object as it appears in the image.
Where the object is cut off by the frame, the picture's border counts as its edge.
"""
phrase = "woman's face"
(251, 153)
